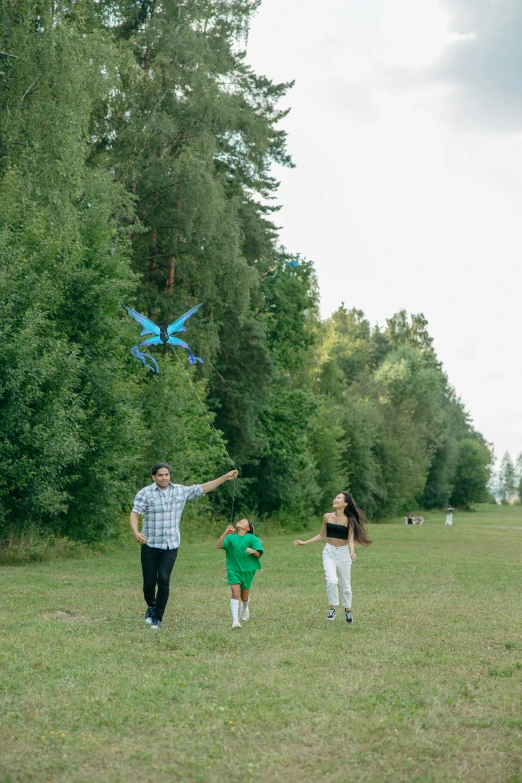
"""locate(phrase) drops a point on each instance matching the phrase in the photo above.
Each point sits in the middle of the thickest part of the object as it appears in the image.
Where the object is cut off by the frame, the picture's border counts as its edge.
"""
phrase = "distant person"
(243, 552)
(418, 519)
(342, 528)
(449, 516)
(408, 520)
(161, 505)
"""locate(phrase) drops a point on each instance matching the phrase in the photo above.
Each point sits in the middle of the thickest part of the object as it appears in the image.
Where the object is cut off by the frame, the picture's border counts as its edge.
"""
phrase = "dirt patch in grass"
(68, 617)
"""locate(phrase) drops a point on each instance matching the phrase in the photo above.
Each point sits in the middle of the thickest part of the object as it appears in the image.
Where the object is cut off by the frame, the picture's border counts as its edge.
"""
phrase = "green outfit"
(241, 566)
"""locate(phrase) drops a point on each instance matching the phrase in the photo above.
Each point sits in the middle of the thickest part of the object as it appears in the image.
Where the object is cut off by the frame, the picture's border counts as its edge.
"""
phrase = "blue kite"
(293, 263)
(161, 333)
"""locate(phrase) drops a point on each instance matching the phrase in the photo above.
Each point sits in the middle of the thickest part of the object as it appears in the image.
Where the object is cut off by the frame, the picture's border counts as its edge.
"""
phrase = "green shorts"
(242, 578)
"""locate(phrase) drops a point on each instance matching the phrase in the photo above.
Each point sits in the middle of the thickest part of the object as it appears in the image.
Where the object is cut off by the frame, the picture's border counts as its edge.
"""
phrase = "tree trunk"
(172, 260)
(146, 62)
(170, 276)
(152, 259)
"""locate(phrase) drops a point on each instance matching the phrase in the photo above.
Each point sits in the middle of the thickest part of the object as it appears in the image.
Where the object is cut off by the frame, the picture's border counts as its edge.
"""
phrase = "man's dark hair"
(157, 467)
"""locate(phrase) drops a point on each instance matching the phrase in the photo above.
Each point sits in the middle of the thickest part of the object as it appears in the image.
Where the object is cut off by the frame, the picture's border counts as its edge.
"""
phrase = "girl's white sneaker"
(245, 614)
(236, 624)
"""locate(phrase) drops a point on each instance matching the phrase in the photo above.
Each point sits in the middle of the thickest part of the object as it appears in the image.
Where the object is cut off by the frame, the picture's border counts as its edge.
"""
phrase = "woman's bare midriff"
(338, 542)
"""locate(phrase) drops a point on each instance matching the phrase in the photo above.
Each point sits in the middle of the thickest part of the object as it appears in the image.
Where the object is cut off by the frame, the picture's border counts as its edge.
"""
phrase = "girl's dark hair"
(356, 520)
(158, 466)
(251, 526)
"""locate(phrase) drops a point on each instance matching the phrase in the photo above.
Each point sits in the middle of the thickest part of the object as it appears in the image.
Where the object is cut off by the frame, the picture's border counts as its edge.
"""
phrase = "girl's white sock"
(245, 604)
(234, 609)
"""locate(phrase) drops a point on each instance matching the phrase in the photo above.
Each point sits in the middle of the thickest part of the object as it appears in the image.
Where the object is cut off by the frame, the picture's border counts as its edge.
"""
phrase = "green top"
(237, 558)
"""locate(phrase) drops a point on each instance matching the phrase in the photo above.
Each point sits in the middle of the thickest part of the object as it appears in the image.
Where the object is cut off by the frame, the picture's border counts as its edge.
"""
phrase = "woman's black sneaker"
(331, 614)
(348, 615)
(148, 615)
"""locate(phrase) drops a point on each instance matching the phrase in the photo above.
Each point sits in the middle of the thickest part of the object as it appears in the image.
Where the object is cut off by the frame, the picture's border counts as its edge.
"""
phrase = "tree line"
(136, 155)
(506, 484)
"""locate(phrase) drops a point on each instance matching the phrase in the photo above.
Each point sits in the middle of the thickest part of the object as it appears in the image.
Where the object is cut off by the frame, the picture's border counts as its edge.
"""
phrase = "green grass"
(424, 687)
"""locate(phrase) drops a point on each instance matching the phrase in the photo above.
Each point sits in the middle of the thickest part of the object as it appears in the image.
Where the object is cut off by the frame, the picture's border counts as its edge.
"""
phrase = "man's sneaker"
(348, 615)
(148, 615)
(331, 614)
(236, 624)
(155, 624)
(245, 614)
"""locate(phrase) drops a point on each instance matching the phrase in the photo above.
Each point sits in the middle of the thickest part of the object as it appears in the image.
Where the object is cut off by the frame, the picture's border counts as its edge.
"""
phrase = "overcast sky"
(406, 131)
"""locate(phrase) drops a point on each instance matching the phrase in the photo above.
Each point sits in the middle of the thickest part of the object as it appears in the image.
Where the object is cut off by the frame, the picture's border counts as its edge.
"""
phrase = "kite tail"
(193, 359)
(148, 361)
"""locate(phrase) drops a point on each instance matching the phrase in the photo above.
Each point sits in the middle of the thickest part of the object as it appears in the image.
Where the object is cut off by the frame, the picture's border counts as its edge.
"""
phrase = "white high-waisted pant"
(337, 566)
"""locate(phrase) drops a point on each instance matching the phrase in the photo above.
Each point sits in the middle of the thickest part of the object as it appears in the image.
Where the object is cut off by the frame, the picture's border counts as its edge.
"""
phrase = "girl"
(243, 551)
(342, 529)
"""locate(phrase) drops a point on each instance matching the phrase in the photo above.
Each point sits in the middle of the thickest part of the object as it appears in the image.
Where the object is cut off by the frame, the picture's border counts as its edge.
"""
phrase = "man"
(161, 506)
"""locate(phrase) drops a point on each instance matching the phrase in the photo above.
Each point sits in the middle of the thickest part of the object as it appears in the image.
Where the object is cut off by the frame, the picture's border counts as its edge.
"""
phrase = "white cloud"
(414, 33)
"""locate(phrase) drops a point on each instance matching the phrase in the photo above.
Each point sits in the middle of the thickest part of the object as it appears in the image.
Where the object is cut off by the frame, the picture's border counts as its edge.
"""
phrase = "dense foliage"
(136, 148)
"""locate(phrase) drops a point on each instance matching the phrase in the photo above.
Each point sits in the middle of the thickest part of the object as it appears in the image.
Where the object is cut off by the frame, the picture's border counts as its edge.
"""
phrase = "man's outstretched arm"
(208, 486)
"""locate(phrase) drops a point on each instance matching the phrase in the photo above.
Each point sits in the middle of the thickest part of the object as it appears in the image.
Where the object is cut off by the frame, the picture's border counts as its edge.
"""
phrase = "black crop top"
(336, 531)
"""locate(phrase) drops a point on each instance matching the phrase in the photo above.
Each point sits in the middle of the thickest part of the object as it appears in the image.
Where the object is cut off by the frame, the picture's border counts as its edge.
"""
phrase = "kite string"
(205, 411)
(233, 498)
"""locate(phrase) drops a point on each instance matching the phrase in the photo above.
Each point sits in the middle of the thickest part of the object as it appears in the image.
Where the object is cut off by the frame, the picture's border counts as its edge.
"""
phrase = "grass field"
(425, 686)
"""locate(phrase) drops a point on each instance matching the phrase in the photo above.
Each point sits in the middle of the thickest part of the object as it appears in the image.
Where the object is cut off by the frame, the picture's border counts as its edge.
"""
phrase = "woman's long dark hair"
(356, 520)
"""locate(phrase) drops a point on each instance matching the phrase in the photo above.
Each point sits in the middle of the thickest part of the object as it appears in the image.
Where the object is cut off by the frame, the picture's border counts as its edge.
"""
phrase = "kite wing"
(192, 359)
(178, 326)
(151, 341)
(148, 326)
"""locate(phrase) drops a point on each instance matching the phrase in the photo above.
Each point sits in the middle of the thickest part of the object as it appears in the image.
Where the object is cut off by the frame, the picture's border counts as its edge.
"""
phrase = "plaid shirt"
(161, 510)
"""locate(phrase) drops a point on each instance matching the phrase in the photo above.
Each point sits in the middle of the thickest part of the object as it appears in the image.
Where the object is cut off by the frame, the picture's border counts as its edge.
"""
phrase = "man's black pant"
(157, 565)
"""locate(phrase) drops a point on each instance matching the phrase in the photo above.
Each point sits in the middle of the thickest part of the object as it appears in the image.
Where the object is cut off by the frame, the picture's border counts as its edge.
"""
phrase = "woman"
(341, 528)
(243, 552)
